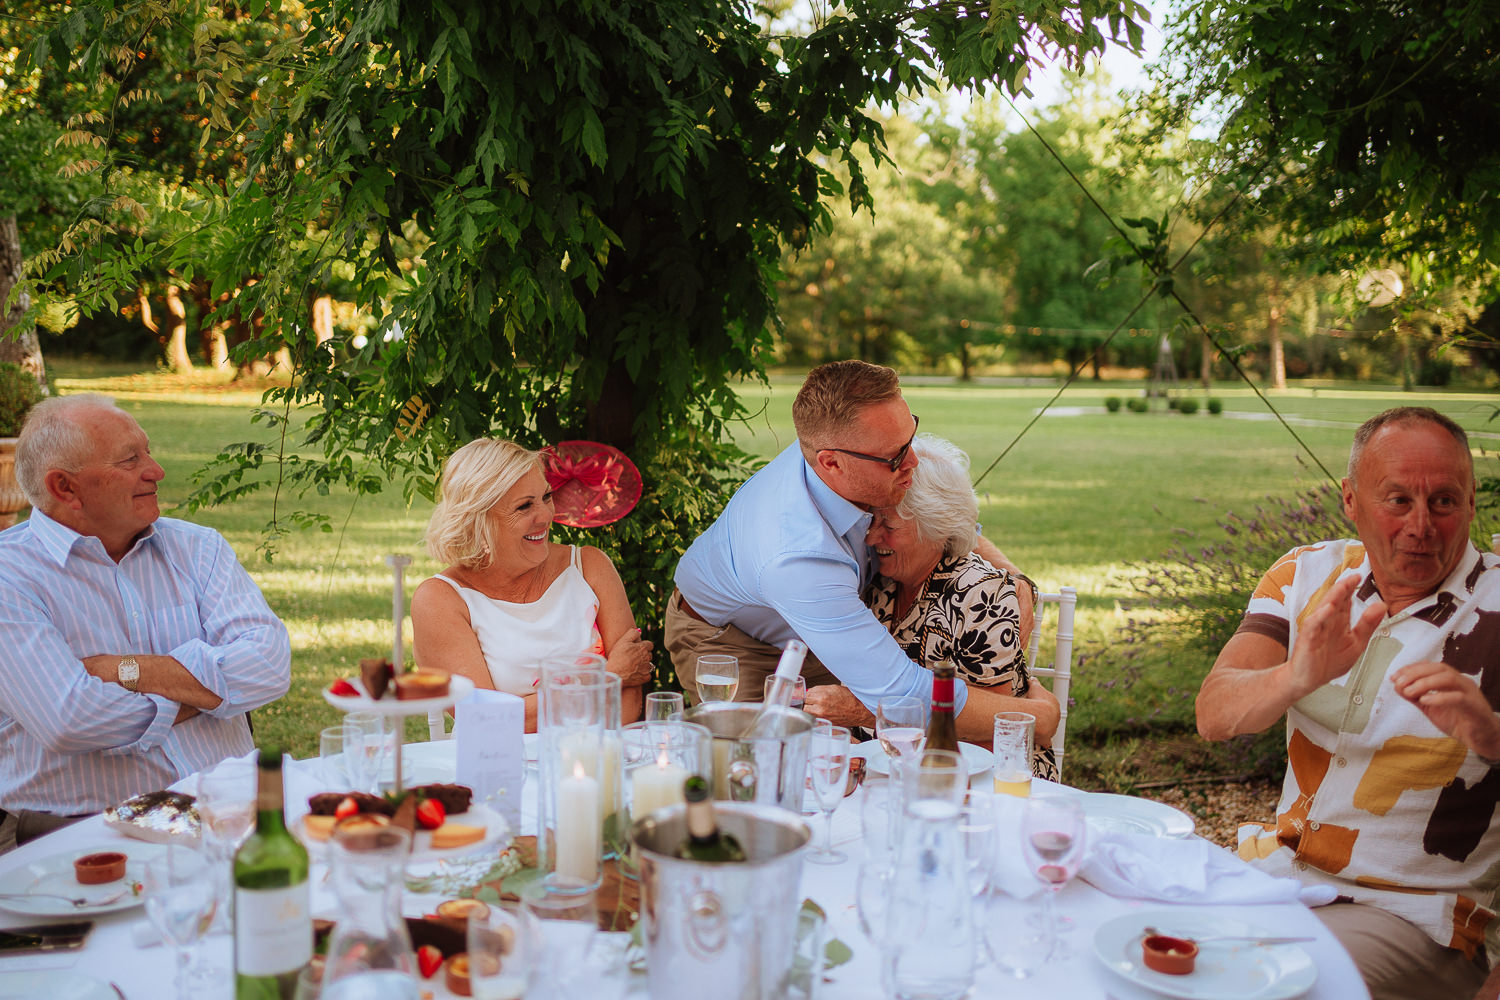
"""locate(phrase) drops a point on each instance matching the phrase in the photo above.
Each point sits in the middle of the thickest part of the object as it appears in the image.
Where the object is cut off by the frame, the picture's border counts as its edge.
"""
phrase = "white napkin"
(1133, 866)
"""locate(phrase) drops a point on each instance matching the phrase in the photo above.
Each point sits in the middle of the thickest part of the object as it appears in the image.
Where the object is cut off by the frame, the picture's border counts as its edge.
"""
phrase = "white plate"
(55, 984)
(497, 833)
(877, 761)
(459, 688)
(1127, 814)
(1226, 971)
(55, 875)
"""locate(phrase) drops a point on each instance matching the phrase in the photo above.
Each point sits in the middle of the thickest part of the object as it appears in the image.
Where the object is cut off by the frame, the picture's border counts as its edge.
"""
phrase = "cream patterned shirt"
(1377, 801)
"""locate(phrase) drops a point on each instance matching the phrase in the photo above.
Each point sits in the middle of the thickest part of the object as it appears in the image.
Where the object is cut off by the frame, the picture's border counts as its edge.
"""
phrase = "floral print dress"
(966, 612)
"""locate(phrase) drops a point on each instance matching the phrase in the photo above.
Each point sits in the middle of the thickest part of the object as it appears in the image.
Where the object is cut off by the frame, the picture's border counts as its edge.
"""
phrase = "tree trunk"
(178, 359)
(18, 344)
(1206, 364)
(1273, 336)
(215, 344)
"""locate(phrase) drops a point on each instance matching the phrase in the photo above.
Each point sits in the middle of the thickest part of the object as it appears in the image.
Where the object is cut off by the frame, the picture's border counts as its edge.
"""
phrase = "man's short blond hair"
(54, 438)
(475, 478)
(1406, 416)
(832, 398)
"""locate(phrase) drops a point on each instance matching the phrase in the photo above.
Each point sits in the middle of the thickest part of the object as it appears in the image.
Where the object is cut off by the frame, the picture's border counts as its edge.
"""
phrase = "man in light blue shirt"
(134, 645)
(787, 557)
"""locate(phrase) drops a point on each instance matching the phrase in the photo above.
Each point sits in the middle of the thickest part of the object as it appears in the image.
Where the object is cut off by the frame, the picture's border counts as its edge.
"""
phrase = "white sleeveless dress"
(515, 638)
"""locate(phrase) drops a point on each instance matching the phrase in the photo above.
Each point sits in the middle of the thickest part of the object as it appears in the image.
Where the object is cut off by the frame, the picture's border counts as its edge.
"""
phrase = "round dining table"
(122, 959)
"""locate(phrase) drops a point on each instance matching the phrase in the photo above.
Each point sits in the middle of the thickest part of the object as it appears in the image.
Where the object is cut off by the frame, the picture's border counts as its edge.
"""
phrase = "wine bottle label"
(272, 930)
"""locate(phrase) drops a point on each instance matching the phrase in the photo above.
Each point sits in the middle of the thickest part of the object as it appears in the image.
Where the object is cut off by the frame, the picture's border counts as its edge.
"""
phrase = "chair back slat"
(437, 728)
(1060, 673)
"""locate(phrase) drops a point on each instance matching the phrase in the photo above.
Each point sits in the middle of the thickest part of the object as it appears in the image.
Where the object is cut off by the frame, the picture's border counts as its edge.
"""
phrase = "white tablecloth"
(112, 956)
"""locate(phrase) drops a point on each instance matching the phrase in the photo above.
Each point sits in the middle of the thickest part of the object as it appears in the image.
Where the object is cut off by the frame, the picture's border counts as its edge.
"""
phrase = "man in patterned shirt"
(1381, 654)
(134, 644)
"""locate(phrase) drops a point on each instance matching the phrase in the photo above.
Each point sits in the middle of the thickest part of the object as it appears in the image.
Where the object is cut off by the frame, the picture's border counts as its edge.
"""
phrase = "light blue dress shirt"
(787, 559)
(71, 743)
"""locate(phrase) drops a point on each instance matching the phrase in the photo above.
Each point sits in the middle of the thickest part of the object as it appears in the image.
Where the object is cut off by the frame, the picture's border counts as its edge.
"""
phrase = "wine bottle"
(273, 936)
(941, 734)
(776, 716)
(705, 841)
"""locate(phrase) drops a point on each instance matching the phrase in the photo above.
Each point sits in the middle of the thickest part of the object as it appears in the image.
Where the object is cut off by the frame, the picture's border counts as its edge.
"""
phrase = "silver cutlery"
(1153, 932)
(76, 901)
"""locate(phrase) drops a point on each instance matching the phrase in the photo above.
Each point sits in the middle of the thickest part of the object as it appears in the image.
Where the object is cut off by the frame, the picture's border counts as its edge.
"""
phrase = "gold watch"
(129, 673)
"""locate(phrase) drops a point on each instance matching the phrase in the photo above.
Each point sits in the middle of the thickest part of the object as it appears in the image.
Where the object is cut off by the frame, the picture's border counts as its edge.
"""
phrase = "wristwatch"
(129, 673)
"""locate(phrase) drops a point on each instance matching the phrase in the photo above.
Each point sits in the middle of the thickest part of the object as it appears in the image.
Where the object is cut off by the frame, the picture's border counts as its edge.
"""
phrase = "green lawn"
(1082, 497)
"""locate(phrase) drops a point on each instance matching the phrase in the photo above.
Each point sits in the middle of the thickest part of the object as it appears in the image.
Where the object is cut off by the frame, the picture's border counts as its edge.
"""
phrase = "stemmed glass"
(226, 814)
(662, 705)
(363, 758)
(828, 756)
(336, 745)
(566, 914)
(718, 677)
(1053, 834)
(180, 899)
(976, 824)
(503, 957)
(799, 690)
(901, 727)
(878, 806)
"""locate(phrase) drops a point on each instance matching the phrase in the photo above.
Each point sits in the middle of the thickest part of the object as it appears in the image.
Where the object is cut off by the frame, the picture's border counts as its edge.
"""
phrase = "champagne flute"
(828, 756)
(1053, 832)
(661, 706)
(901, 727)
(718, 677)
(180, 898)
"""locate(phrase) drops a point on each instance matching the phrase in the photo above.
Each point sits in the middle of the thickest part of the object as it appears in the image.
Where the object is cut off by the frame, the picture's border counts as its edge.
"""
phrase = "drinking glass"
(566, 915)
(936, 775)
(336, 745)
(363, 760)
(226, 814)
(879, 814)
(799, 691)
(1016, 941)
(1015, 734)
(1053, 834)
(977, 826)
(502, 953)
(180, 898)
(718, 677)
(661, 706)
(828, 757)
(901, 727)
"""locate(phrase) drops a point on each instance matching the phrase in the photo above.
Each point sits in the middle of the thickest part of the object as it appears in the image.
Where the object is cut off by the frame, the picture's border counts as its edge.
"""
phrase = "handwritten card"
(491, 759)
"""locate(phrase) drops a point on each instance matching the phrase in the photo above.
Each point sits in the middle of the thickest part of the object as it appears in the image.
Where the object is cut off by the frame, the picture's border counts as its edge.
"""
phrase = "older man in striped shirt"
(132, 646)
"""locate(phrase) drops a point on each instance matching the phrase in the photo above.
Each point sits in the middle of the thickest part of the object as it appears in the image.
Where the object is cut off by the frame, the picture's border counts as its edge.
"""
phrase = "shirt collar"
(841, 515)
(1459, 585)
(59, 541)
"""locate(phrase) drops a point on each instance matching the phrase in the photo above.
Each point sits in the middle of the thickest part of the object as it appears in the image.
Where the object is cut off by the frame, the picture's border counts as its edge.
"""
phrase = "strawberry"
(429, 960)
(430, 814)
(343, 689)
(348, 807)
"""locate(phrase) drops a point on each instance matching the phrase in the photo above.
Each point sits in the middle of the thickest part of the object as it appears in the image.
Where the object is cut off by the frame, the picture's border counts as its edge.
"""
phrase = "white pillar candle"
(609, 783)
(578, 840)
(656, 786)
(580, 747)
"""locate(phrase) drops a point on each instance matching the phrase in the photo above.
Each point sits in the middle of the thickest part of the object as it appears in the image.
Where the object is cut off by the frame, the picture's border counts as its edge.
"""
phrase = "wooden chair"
(1060, 673)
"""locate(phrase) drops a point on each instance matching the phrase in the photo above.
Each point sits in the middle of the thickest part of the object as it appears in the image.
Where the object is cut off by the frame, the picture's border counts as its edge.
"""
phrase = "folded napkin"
(1133, 866)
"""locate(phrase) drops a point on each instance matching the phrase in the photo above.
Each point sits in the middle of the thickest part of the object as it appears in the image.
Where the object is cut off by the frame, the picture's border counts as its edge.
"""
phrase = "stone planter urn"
(12, 500)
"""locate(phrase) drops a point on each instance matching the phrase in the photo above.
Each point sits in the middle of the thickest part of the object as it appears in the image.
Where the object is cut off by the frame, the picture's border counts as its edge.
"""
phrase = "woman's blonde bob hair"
(941, 499)
(475, 477)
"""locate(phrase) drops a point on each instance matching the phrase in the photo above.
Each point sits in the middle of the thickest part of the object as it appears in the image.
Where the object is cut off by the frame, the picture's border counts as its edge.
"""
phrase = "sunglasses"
(894, 463)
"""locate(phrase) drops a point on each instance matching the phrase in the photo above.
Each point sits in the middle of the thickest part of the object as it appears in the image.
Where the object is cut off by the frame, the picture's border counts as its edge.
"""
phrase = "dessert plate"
(1224, 971)
(459, 688)
(497, 832)
(54, 876)
(1108, 813)
(877, 761)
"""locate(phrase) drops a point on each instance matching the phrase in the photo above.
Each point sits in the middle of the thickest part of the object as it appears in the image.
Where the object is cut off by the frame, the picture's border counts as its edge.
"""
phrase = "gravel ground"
(1220, 807)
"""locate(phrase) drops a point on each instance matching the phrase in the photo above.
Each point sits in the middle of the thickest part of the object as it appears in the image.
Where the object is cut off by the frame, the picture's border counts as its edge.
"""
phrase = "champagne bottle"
(273, 937)
(941, 734)
(705, 841)
(776, 715)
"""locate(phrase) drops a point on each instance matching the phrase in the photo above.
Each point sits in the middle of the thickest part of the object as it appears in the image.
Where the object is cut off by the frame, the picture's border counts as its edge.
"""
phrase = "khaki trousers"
(1397, 959)
(688, 638)
(21, 826)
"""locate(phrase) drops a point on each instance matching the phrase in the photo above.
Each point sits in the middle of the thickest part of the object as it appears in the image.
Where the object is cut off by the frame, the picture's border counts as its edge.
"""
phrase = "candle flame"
(662, 760)
(578, 771)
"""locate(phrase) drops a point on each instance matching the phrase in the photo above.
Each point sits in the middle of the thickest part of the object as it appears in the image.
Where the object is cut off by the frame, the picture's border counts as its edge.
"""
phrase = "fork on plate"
(78, 902)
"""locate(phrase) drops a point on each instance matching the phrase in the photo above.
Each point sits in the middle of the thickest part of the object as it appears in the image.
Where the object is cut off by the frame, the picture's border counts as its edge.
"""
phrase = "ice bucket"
(770, 770)
(721, 931)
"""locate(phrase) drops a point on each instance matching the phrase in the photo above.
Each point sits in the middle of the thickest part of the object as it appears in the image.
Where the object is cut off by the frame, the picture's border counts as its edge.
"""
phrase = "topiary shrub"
(1173, 402)
(1187, 406)
(19, 392)
(1112, 404)
(1216, 406)
(1136, 405)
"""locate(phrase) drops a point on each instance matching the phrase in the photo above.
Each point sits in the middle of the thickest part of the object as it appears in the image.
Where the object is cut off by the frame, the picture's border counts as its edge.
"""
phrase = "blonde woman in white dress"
(510, 597)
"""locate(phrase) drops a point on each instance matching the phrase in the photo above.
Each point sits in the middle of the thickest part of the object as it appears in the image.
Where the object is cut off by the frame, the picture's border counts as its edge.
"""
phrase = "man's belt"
(687, 609)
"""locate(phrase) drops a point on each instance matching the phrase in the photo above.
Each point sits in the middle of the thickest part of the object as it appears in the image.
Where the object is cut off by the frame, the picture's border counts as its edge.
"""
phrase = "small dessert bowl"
(97, 869)
(1170, 955)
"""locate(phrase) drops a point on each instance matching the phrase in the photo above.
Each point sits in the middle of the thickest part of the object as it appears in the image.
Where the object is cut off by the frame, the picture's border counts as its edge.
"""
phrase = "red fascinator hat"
(592, 484)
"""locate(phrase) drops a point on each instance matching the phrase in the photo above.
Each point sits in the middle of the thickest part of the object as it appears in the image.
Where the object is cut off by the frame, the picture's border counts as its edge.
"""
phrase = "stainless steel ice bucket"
(721, 931)
(770, 771)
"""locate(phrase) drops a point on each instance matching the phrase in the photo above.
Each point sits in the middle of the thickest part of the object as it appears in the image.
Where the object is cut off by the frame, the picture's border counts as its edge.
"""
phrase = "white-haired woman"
(510, 597)
(941, 601)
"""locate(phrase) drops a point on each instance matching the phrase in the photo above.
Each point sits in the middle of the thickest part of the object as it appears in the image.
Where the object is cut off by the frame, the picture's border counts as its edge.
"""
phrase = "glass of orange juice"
(1015, 732)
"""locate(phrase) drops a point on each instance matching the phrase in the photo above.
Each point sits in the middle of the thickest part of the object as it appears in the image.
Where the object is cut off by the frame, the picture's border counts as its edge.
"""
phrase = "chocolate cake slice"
(376, 675)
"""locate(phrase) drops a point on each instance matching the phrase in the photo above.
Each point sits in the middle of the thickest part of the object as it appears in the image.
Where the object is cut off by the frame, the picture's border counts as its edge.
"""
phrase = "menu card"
(491, 760)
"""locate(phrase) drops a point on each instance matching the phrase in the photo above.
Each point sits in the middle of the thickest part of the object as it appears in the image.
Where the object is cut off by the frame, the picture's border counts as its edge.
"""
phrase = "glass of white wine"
(828, 758)
(226, 814)
(180, 900)
(718, 677)
(901, 727)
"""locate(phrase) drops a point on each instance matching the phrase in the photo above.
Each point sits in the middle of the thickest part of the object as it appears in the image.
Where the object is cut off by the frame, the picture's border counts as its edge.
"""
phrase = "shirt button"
(1359, 699)
(1385, 633)
(1313, 825)
(1302, 866)
(1339, 762)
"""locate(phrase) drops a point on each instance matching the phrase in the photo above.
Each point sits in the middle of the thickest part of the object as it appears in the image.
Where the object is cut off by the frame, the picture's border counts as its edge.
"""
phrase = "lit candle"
(578, 841)
(656, 786)
(609, 783)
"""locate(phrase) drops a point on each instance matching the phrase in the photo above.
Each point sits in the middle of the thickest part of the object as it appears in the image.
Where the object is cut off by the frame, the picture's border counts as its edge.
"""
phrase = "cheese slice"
(456, 835)
(318, 827)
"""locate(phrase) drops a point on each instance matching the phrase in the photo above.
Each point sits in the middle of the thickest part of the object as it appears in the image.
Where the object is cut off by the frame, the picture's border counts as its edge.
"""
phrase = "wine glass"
(1053, 832)
(226, 814)
(503, 955)
(799, 691)
(335, 746)
(901, 727)
(977, 827)
(718, 677)
(180, 899)
(363, 759)
(1017, 943)
(828, 756)
(566, 913)
(661, 706)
